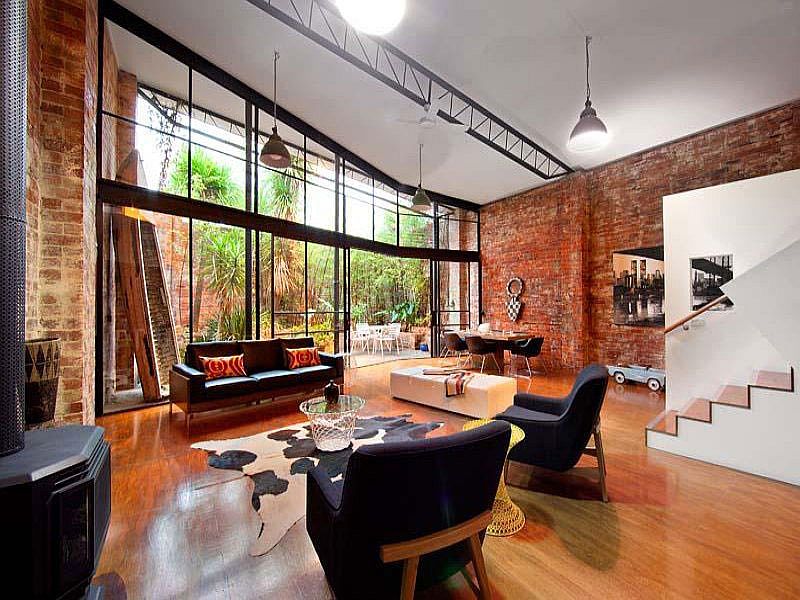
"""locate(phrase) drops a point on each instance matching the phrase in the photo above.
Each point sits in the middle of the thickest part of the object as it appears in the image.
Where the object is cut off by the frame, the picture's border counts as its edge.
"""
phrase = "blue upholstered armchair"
(557, 430)
(406, 511)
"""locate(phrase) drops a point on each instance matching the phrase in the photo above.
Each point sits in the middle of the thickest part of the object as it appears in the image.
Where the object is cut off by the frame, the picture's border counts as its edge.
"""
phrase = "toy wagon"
(655, 379)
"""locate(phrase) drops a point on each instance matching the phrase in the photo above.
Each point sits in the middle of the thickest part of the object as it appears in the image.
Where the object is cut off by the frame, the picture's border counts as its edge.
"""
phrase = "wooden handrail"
(697, 313)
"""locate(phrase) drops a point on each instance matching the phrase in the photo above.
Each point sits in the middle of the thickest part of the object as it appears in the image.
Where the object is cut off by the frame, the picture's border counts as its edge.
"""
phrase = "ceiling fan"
(429, 118)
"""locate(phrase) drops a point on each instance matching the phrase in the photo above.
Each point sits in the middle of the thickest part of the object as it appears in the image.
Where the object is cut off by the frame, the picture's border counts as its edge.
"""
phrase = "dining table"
(501, 339)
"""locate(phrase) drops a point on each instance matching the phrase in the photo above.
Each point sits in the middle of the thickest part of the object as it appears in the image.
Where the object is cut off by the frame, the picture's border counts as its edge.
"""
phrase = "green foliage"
(403, 312)
(377, 281)
(223, 264)
(211, 181)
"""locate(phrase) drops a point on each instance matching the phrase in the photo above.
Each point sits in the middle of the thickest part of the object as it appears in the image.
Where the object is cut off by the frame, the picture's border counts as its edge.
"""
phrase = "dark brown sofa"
(267, 375)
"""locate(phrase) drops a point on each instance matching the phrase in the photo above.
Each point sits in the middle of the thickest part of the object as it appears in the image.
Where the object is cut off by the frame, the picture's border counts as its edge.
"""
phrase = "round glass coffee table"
(332, 423)
(507, 517)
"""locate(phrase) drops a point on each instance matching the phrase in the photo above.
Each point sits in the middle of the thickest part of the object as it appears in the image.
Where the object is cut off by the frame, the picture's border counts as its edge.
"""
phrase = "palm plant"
(282, 201)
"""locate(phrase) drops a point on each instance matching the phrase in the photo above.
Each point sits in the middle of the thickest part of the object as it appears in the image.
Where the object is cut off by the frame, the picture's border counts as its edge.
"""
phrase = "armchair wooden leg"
(480, 567)
(601, 460)
(410, 566)
(410, 551)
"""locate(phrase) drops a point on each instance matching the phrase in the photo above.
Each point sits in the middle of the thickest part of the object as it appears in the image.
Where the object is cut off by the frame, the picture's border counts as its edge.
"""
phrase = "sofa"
(268, 376)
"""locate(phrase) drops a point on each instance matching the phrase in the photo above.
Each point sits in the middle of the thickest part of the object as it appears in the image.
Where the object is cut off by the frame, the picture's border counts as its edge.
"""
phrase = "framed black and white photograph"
(709, 274)
(639, 287)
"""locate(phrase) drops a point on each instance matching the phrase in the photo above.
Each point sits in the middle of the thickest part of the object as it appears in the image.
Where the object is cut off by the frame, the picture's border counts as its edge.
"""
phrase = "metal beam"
(321, 22)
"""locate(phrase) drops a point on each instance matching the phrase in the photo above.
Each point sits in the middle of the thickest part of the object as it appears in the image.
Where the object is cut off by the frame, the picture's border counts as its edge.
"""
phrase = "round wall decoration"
(514, 289)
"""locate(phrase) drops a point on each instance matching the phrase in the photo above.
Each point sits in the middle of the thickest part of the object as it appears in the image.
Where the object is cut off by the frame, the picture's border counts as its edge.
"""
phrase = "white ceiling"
(660, 70)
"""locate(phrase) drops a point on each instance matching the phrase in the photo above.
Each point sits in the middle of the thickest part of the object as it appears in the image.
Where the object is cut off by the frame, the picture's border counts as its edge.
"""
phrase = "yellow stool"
(507, 517)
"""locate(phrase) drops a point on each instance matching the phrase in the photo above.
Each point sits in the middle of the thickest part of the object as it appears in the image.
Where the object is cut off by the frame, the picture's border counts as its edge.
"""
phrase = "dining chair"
(455, 346)
(526, 349)
(477, 346)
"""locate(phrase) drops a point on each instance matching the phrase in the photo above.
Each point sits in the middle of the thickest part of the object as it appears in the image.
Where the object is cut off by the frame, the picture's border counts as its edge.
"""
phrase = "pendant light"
(590, 133)
(420, 199)
(371, 16)
(275, 154)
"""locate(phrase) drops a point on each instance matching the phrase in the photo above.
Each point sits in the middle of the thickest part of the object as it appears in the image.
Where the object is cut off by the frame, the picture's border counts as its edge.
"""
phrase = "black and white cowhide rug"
(277, 462)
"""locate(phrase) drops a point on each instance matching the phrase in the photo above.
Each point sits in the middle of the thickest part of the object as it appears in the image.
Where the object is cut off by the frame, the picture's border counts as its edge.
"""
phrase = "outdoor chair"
(362, 336)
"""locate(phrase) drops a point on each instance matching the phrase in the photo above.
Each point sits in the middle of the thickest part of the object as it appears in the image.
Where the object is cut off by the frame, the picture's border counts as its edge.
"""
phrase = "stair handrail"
(695, 314)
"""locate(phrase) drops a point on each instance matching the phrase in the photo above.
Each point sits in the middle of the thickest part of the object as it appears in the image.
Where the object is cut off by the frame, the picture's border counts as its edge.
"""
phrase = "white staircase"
(749, 425)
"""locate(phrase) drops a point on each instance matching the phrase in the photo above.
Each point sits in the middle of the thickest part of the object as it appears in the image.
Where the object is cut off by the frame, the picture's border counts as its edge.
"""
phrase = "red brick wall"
(559, 238)
(33, 168)
(61, 191)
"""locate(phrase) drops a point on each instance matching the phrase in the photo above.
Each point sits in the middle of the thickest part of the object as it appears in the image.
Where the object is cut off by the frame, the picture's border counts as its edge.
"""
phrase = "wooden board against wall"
(128, 246)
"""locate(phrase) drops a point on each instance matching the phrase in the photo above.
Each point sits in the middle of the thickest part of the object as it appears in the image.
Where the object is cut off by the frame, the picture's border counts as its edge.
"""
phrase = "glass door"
(455, 300)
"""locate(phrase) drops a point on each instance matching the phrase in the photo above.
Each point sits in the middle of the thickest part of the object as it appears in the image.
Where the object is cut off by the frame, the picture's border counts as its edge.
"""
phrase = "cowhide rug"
(277, 462)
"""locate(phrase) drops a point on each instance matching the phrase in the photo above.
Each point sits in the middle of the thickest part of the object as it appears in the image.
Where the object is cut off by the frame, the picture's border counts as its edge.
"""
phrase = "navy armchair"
(557, 430)
(406, 511)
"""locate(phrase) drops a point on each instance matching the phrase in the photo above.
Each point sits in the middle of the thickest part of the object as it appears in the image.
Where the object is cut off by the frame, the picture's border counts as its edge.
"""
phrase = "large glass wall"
(171, 129)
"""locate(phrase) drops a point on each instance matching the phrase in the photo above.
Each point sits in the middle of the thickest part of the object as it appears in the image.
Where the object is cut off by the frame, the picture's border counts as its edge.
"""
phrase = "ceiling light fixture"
(590, 133)
(275, 154)
(420, 199)
(371, 16)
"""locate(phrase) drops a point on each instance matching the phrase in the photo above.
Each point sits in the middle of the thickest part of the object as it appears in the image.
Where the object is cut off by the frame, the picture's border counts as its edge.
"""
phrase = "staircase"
(752, 425)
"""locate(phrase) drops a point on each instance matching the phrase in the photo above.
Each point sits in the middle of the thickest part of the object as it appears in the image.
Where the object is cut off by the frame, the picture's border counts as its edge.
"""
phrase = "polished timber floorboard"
(675, 528)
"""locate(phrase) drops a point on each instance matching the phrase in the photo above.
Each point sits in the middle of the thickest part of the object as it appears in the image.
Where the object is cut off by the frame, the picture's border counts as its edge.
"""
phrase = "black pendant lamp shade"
(420, 199)
(275, 154)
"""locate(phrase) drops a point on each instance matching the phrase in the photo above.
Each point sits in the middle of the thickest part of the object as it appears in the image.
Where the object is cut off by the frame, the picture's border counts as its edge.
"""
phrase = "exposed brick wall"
(33, 157)
(61, 176)
(559, 238)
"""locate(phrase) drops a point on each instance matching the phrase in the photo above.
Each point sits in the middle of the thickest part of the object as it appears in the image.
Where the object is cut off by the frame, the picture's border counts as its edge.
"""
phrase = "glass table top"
(320, 406)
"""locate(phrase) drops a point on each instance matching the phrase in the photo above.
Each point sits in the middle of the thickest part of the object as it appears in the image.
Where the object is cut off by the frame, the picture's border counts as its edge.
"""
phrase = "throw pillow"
(223, 366)
(302, 357)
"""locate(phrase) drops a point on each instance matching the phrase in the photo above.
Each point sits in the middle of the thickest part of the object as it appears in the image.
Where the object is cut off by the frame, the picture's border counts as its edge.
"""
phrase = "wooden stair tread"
(733, 395)
(666, 422)
(698, 409)
(774, 380)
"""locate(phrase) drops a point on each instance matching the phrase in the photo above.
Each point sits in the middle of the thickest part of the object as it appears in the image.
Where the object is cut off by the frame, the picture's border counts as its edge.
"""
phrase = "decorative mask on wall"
(514, 289)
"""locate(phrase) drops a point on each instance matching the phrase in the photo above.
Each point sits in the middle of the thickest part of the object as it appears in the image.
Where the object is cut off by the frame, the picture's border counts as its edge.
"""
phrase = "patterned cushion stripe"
(302, 357)
(223, 366)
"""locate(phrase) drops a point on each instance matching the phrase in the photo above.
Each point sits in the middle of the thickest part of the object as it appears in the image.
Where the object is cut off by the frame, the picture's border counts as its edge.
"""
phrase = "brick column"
(65, 173)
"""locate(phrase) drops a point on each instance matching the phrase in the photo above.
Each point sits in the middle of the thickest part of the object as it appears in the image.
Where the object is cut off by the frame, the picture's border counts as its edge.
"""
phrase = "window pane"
(218, 271)
(289, 276)
(264, 266)
(280, 193)
(218, 144)
(358, 191)
(145, 98)
(416, 229)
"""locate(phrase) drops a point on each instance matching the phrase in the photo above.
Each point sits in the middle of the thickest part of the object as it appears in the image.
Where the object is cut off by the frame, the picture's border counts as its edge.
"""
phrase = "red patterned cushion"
(223, 366)
(302, 357)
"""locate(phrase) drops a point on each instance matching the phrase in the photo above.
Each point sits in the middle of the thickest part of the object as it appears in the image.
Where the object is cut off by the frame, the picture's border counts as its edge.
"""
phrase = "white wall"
(751, 219)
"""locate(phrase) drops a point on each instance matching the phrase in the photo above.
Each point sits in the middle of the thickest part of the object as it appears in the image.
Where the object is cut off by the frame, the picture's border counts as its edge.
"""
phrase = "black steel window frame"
(115, 193)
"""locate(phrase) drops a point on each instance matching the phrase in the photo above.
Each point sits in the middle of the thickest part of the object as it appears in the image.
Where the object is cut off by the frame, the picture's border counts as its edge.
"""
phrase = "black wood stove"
(55, 496)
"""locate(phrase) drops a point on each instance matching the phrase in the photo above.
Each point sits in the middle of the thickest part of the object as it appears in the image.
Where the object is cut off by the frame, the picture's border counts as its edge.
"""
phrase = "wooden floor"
(675, 528)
